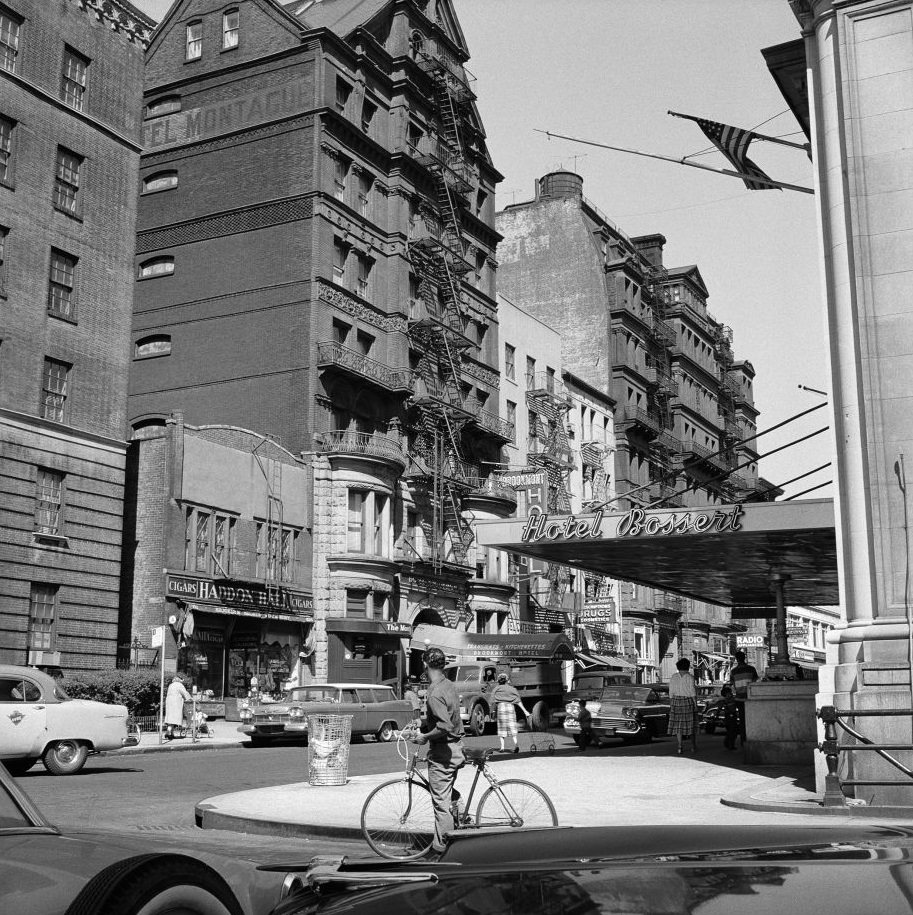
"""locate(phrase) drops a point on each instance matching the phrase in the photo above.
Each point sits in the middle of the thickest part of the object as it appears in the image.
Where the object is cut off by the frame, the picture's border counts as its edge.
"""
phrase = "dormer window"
(160, 181)
(231, 28)
(168, 104)
(156, 266)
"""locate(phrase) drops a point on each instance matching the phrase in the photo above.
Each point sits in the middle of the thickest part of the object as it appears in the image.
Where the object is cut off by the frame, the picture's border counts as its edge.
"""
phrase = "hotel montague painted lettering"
(635, 523)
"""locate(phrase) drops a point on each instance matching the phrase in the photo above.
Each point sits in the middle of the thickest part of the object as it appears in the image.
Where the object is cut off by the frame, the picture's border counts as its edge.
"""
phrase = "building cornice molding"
(60, 431)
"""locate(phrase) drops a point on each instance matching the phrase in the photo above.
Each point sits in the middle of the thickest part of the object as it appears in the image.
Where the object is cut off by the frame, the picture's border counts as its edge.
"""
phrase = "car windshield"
(312, 694)
(635, 693)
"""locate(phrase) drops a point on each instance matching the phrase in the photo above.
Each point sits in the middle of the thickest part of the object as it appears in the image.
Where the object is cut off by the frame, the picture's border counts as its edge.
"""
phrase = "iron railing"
(332, 353)
(833, 718)
(370, 444)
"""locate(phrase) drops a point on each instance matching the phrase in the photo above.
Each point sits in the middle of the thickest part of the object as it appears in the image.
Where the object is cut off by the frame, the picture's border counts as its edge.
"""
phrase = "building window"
(481, 198)
(73, 78)
(6, 149)
(363, 342)
(512, 419)
(364, 194)
(49, 502)
(55, 389)
(61, 301)
(168, 104)
(194, 41)
(356, 521)
(414, 137)
(223, 544)
(9, 39)
(201, 540)
(3, 234)
(340, 331)
(260, 561)
(340, 253)
(152, 346)
(42, 616)
(343, 91)
(510, 359)
(156, 266)
(368, 523)
(288, 554)
(66, 180)
(160, 181)
(530, 373)
(231, 28)
(356, 603)
(550, 380)
(380, 524)
(368, 110)
(363, 287)
(340, 175)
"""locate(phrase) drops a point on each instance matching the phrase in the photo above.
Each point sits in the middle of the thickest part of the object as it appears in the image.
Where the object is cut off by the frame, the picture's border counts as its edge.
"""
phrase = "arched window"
(156, 266)
(416, 44)
(151, 346)
(160, 181)
(167, 104)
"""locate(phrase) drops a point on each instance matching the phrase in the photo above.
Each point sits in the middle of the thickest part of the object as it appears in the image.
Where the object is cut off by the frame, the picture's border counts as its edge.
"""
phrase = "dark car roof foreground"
(661, 871)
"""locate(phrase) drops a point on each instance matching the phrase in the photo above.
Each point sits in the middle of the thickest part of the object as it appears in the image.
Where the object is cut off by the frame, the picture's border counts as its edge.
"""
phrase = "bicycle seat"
(478, 754)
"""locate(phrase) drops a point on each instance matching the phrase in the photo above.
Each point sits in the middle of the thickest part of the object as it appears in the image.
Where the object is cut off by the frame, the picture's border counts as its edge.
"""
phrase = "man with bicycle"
(442, 730)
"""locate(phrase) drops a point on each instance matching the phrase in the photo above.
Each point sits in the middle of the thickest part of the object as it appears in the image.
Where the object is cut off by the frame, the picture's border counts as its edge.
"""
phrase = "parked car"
(712, 716)
(641, 870)
(588, 684)
(374, 709)
(631, 712)
(38, 720)
(49, 872)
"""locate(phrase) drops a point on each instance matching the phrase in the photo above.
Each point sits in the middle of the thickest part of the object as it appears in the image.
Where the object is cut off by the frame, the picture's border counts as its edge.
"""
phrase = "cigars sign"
(636, 523)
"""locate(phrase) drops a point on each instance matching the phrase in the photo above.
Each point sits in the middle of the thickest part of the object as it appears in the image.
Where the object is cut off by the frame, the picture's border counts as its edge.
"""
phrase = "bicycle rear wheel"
(397, 819)
(516, 803)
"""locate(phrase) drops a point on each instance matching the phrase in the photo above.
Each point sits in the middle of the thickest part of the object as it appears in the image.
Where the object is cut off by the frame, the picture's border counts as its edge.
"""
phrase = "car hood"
(762, 870)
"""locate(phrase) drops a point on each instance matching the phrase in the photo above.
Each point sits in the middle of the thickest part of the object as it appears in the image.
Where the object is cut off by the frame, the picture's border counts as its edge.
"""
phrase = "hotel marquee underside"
(728, 555)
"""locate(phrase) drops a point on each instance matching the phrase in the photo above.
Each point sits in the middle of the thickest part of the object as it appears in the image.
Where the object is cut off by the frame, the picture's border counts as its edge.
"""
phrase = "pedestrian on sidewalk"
(442, 730)
(175, 698)
(507, 700)
(729, 713)
(742, 674)
(410, 694)
(683, 701)
(585, 720)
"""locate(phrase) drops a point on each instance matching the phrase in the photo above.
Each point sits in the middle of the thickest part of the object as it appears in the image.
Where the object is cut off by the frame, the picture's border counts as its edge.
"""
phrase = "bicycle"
(397, 819)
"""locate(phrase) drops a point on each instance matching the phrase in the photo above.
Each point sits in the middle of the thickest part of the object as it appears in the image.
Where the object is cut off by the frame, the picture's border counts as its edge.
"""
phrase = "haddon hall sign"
(635, 523)
(248, 595)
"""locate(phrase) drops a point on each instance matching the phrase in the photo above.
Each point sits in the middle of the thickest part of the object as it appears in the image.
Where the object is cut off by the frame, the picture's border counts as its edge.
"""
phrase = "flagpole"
(757, 136)
(707, 168)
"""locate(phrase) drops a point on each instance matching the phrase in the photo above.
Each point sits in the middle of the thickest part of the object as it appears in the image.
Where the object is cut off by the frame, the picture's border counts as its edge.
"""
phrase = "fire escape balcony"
(436, 243)
(437, 156)
(442, 66)
(694, 454)
(638, 420)
(490, 496)
(592, 454)
(667, 441)
(545, 387)
(488, 421)
(661, 331)
(435, 392)
(372, 446)
(662, 381)
(424, 320)
(335, 355)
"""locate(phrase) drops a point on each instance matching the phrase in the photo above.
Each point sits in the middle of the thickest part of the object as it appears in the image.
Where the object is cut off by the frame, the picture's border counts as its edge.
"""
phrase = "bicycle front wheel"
(516, 803)
(397, 819)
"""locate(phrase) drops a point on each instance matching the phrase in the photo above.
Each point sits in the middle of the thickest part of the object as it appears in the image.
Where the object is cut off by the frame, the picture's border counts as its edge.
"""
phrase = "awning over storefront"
(372, 627)
(724, 554)
(539, 647)
(589, 659)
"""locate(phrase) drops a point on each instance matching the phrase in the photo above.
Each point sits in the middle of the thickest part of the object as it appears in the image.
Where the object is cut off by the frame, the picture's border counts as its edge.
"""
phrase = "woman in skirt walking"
(683, 699)
(507, 698)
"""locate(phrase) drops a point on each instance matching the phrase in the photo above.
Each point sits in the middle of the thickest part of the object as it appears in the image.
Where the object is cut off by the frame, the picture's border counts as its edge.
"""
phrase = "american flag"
(733, 143)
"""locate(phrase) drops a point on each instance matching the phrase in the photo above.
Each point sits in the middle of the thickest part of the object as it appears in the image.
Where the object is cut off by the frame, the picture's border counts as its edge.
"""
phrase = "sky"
(608, 71)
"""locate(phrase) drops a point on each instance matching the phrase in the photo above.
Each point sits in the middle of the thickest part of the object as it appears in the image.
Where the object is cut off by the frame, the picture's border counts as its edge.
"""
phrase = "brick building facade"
(639, 333)
(336, 145)
(70, 90)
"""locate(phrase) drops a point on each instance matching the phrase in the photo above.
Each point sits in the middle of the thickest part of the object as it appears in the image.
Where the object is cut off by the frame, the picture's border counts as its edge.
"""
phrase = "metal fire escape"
(436, 330)
(550, 449)
(661, 386)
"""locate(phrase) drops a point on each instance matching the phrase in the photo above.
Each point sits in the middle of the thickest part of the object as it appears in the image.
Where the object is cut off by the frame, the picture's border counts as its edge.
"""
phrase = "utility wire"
(810, 489)
(695, 461)
(801, 476)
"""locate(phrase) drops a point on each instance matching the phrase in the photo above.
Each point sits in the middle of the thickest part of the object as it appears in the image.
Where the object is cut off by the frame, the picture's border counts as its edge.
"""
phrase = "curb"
(171, 748)
(753, 799)
(207, 817)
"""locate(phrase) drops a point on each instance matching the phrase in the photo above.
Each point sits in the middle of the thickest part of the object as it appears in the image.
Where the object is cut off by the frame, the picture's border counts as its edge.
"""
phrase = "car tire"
(155, 885)
(19, 766)
(386, 732)
(65, 757)
(540, 716)
(477, 720)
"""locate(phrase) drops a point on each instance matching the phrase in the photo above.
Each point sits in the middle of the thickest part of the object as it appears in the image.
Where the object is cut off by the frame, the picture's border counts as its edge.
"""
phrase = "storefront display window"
(201, 659)
(271, 663)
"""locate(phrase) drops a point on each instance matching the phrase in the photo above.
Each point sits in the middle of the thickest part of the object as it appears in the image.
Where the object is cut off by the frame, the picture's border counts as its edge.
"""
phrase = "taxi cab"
(38, 720)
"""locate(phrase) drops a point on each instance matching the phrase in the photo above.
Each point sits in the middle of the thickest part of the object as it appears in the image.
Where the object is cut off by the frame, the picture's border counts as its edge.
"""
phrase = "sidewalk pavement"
(616, 785)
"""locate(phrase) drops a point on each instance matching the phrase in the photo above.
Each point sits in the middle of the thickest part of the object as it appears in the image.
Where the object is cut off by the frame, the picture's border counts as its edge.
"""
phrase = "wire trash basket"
(328, 749)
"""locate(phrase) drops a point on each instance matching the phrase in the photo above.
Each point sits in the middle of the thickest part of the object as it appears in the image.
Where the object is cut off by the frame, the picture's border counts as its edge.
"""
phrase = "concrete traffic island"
(596, 788)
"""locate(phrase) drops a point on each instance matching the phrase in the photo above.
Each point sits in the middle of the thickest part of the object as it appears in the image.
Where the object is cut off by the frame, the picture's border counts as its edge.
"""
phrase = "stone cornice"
(120, 17)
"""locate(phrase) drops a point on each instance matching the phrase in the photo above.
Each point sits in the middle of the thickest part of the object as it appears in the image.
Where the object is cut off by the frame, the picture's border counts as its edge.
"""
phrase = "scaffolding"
(440, 312)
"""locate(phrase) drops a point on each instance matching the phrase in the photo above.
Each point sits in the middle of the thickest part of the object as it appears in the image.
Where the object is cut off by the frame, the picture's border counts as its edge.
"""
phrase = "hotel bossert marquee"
(232, 631)
(754, 557)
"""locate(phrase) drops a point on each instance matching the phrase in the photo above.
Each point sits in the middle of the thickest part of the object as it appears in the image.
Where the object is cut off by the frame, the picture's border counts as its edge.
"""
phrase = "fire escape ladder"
(273, 534)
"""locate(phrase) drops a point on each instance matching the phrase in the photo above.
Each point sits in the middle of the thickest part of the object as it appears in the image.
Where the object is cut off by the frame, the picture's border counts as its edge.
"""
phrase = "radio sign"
(750, 641)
